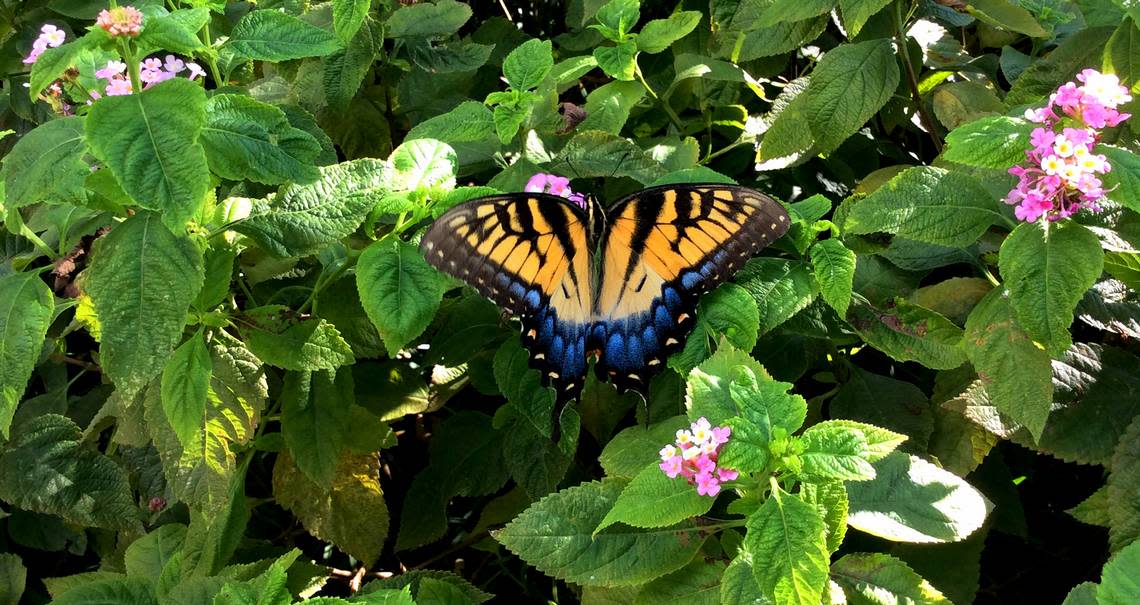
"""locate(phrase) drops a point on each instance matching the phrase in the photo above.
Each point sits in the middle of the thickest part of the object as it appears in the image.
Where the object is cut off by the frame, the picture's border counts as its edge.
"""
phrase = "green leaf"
(46, 165)
(270, 35)
(118, 591)
(1124, 176)
(247, 139)
(850, 84)
(435, 19)
(1006, 15)
(13, 576)
(1047, 270)
(149, 140)
(776, 40)
(727, 313)
(1123, 483)
(619, 16)
(415, 578)
(594, 153)
(781, 288)
(185, 388)
(54, 61)
(346, 69)
(1082, 594)
(146, 557)
(762, 406)
(423, 163)
(793, 10)
(882, 401)
(739, 583)
(787, 534)
(654, 500)
(46, 469)
(268, 588)
(881, 578)
(141, 281)
(909, 332)
(349, 513)
(528, 64)
(26, 310)
(1124, 266)
(830, 499)
(834, 267)
(628, 453)
(508, 119)
(555, 535)
(880, 441)
(707, 389)
(315, 420)
(698, 583)
(202, 472)
(466, 459)
(1094, 509)
(311, 344)
(989, 142)
(927, 204)
(835, 451)
(1075, 52)
(619, 61)
(469, 129)
(348, 15)
(176, 32)
(400, 292)
(660, 34)
(303, 219)
(610, 104)
(1122, 54)
(911, 500)
(959, 103)
(1120, 580)
(856, 13)
(1015, 372)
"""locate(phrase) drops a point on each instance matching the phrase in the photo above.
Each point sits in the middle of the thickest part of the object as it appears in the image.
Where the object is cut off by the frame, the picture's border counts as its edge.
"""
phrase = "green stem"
(911, 78)
(990, 277)
(641, 78)
(323, 282)
(132, 64)
(716, 154)
(211, 62)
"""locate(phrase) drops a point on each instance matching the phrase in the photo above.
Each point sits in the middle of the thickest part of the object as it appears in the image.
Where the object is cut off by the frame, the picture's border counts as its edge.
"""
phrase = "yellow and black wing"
(661, 249)
(528, 252)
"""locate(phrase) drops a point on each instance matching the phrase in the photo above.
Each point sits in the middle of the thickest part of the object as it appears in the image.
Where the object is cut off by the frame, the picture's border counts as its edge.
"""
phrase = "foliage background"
(255, 359)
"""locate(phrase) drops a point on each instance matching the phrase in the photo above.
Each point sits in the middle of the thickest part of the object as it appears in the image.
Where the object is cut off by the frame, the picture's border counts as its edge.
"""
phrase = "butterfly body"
(620, 285)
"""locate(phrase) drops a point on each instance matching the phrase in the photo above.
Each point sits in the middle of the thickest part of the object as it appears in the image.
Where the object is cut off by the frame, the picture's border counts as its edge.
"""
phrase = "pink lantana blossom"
(118, 87)
(1059, 175)
(50, 37)
(124, 21)
(554, 185)
(693, 456)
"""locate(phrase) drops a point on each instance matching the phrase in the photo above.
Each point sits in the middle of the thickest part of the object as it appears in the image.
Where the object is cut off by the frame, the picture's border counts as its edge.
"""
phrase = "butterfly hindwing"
(662, 248)
(527, 252)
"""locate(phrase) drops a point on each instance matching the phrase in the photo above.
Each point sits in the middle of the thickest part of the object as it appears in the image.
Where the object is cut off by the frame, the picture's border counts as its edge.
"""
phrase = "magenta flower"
(694, 457)
(118, 87)
(1058, 177)
(113, 68)
(124, 21)
(50, 37)
(555, 185)
(173, 64)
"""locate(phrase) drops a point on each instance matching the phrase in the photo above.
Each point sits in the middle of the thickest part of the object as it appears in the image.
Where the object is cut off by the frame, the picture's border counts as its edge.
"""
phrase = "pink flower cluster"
(50, 37)
(1059, 176)
(555, 185)
(121, 21)
(694, 457)
(151, 72)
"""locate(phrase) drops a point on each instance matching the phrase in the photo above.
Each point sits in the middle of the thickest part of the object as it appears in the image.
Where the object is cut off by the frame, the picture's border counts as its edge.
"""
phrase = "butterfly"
(620, 285)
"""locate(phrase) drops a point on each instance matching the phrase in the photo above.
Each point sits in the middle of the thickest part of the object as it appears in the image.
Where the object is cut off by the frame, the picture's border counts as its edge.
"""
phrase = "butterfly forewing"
(528, 253)
(663, 247)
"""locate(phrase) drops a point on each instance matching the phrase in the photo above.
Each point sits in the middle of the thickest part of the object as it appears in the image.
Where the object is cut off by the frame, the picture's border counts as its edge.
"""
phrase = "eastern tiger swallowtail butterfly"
(620, 285)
